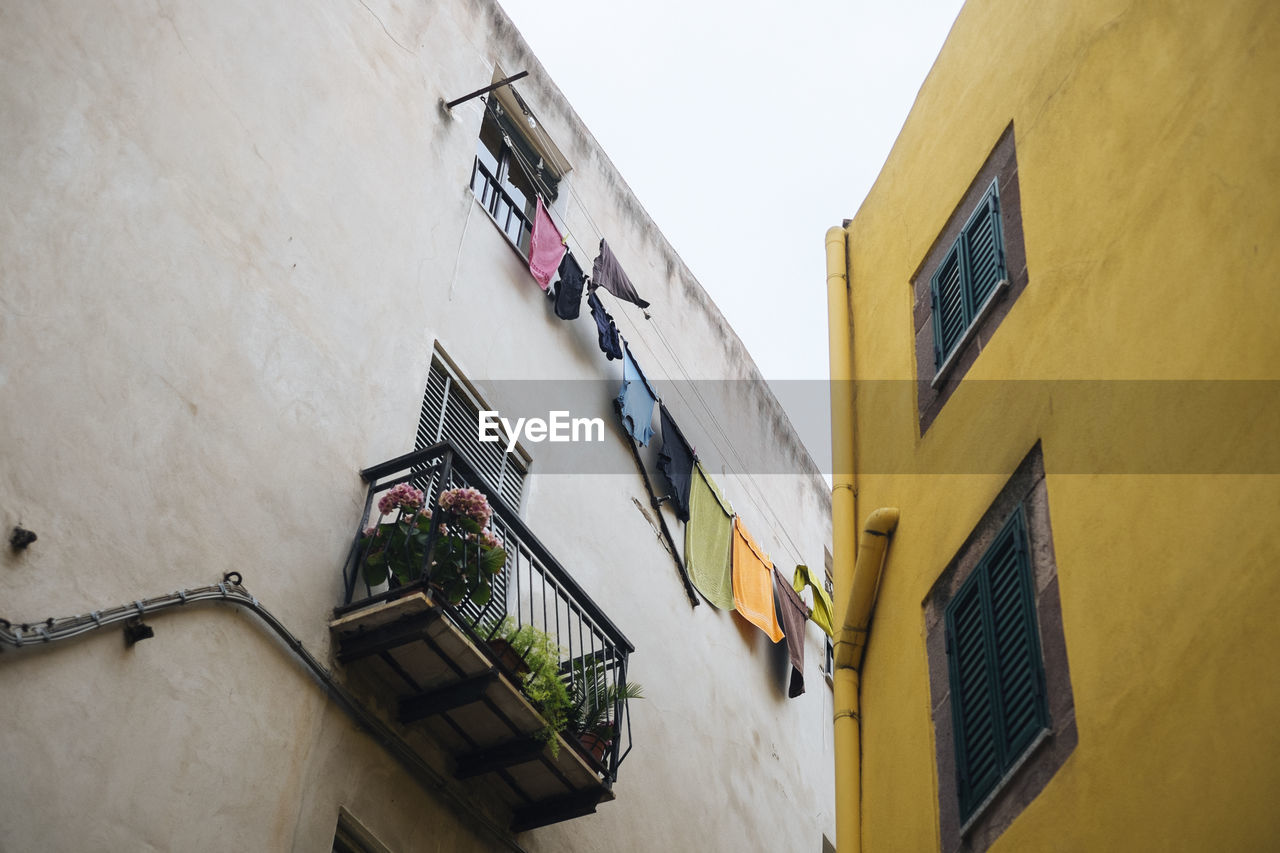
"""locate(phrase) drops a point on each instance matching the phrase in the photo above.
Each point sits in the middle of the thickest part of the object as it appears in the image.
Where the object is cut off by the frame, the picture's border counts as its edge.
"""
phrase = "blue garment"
(635, 400)
(610, 343)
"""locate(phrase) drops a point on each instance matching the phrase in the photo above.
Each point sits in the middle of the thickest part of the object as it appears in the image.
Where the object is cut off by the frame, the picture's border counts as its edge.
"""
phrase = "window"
(997, 675)
(509, 173)
(969, 279)
(973, 273)
(451, 412)
(1002, 706)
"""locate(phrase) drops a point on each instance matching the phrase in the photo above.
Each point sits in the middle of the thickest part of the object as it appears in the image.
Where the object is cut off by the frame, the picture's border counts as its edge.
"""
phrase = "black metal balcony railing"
(506, 210)
(532, 589)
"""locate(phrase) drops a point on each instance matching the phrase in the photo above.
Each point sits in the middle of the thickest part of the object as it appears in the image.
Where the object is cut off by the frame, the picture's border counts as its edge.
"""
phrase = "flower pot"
(503, 654)
(595, 744)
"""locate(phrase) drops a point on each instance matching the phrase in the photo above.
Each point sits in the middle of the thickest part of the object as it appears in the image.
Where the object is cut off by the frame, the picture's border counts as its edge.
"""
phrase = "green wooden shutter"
(967, 275)
(1019, 665)
(949, 315)
(973, 701)
(998, 702)
(983, 250)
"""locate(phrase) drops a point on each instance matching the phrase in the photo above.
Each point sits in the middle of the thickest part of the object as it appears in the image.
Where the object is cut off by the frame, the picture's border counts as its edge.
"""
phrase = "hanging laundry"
(606, 272)
(569, 290)
(635, 400)
(794, 615)
(753, 583)
(675, 461)
(708, 539)
(546, 247)
(822, 608)
(610, 343)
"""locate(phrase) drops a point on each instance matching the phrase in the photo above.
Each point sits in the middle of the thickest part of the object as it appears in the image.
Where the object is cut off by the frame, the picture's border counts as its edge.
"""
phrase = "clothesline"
(744, 578)
(567, 236)
(732, 451)
(531, 169)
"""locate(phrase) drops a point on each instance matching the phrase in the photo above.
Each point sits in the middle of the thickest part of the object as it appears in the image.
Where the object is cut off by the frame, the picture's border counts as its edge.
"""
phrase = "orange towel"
(753, 583)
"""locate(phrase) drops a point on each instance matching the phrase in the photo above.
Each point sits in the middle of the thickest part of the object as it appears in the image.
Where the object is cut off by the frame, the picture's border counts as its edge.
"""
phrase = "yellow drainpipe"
(856, 570)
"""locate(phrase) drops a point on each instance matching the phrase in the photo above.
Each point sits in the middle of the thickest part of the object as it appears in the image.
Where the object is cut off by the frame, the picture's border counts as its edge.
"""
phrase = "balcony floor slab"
(415, 655)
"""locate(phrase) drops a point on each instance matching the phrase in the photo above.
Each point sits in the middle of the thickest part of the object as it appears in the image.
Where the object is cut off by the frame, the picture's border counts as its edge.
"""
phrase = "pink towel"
(546, 248)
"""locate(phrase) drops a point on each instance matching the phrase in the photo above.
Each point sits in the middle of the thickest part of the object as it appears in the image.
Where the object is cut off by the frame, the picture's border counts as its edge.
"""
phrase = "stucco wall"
(1146, 160)
(230, 237)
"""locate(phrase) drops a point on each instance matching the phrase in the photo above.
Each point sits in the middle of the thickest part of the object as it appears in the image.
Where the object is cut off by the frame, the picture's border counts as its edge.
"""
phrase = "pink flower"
(485, 538)
(467, 502)
(403, 496)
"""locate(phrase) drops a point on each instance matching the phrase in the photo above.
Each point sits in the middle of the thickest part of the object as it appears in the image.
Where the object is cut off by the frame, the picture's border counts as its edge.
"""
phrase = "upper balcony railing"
(506, 210)
(499, 585)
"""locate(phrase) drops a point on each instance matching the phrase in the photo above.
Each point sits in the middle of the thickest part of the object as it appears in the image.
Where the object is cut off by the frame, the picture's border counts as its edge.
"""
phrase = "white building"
(237, 243)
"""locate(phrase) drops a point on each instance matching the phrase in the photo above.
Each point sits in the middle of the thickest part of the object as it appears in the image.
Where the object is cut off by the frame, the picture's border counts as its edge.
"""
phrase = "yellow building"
(1065, 314)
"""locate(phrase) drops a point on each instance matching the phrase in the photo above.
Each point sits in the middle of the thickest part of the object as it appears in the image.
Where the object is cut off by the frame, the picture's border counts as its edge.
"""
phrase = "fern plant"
(542, 683)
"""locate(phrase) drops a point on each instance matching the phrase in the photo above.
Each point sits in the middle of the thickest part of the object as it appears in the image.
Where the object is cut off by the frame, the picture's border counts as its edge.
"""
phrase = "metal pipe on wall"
(856, 569)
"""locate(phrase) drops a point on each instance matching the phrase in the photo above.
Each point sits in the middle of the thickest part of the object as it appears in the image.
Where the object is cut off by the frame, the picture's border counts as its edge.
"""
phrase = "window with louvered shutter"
(998, 700)
(451, 413)
(968, 276)
(968, 281)
(999, 682)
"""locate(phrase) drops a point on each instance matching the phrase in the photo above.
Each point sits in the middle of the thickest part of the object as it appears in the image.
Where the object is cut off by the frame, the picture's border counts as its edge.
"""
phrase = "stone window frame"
(934, 388)
(1040, 761)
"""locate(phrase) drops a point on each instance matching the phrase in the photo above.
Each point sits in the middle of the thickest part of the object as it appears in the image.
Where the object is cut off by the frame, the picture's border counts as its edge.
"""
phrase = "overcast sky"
(746, 130)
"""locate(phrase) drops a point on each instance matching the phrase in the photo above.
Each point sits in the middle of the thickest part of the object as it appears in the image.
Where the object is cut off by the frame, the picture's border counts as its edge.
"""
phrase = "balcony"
(466, 623)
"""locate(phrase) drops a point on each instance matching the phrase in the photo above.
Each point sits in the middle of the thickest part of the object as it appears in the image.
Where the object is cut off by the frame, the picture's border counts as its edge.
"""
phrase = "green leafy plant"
(542, 682)
(593, 702)
(466, 553)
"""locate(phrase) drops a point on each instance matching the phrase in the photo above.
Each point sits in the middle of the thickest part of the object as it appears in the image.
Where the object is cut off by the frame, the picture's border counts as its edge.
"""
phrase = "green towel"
(707, 538)
(821, 615)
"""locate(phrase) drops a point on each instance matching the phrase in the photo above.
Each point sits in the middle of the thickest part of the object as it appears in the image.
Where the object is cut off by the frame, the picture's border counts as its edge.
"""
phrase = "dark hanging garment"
(675, 461)
(610, 343)
(569, 290)
(794, 615)
(606, 272)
